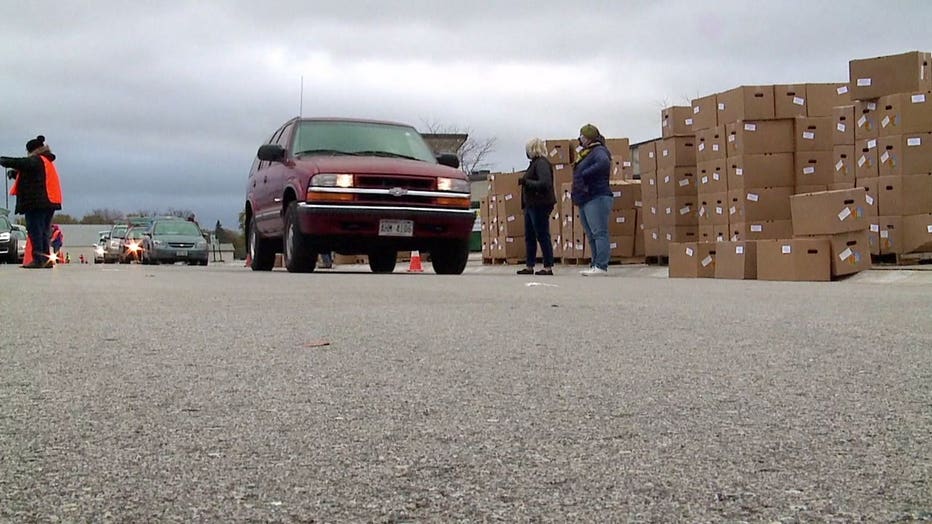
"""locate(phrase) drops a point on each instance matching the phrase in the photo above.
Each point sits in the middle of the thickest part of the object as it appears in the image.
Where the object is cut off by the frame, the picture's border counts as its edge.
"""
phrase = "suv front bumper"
(363, 220)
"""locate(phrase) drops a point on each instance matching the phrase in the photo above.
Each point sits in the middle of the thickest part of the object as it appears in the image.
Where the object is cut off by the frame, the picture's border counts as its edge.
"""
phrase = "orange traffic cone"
(415, 266)
(27, 257)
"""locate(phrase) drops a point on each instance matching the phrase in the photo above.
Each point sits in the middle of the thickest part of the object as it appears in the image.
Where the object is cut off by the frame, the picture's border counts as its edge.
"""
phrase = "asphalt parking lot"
(161, 394)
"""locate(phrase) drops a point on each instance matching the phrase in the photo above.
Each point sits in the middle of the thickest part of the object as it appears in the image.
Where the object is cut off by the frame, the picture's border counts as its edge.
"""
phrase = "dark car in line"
(170, 240)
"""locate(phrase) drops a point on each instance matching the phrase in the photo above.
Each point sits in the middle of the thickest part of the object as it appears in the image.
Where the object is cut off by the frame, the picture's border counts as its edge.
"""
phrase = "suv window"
(5, 223)
(366, 138)
(118, 231)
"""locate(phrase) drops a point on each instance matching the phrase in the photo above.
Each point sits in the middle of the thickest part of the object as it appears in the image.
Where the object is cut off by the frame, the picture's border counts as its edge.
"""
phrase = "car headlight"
(157, 243)
(4, 237)
(452, 184)
(332, 180)
(201, 245)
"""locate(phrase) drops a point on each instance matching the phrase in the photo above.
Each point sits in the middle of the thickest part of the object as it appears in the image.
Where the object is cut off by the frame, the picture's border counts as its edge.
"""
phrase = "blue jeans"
(39, 229)
(595, 214)
(537, 229)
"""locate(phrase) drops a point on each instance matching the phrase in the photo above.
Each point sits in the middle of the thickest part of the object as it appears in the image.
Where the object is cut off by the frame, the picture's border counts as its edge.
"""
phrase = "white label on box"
(638, 203)
(871, 106)
(845, 213)
(757, 228)
(786, 249)
(714, 147)
(705, 180)
(872, 143)
(715, 176)
(650, 154)
(739, 171)
(929, 228)
(842, 90)
(862, 120)
(918, 99)
(689, 121)
(739, 250)
(732, 210)
(669, 210)
(654, 236)
(666, 153)
(509, 196)
(808, 135)
(669, 237)
(616, 194)
(702, 211)
(702, 147)
(864, 82)
(579, 247)
(664, 124)
(869, 199)
(721, 106)
(510, 240)
(841, 127)
(652, 182)
(875, 228)
(613, 245)
(560, 166)
(885, 122)
(684, 210)
(845, 254)
(862, 161)
(684, 182)
(808, 170)
(666, 179)
(885, 156)
(719, 210)
(839, 165)
(799, 101)
(885, 234)
(626, 164)
(750, 127)
(653, 210)
(619, 220)
(731, 138)
(696, 110)
(553, 152)
(706, 261)
(511, 218)
(916, 141)
(753, 197)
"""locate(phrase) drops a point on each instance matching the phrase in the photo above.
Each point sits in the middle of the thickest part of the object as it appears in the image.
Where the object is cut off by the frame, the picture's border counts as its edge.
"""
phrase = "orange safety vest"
(52, 182)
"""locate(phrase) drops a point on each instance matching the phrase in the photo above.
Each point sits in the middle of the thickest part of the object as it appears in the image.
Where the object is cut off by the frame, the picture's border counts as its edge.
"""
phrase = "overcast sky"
(156, 105)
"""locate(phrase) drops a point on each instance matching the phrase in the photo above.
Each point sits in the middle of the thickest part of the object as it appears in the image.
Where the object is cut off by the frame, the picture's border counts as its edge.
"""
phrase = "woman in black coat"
(537, 199)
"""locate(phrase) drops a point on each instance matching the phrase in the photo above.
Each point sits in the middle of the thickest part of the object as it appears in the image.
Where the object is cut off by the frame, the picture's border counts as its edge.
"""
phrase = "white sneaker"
(594, 272)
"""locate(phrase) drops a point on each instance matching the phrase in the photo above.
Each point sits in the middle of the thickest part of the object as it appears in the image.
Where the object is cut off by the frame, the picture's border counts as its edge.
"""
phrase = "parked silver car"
(170, 240)
(114, 247)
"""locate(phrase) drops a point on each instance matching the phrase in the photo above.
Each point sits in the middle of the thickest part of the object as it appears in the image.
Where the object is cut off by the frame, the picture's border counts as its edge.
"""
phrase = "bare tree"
(473, 153)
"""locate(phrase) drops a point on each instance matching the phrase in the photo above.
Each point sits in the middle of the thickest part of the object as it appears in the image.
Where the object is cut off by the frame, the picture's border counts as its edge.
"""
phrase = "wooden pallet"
(621, 261)
(575, 261)
(657, 261)
(503, 261)
(911, 259)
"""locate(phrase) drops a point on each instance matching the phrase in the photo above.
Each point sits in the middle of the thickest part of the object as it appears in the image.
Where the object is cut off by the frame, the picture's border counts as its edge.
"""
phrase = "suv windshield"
(118, 231)
(361, 138)
(176, 227)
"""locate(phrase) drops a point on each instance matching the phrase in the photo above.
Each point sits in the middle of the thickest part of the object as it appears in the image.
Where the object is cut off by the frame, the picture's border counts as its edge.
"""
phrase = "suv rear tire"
(450, 258)
(383, 261)
(298, 255)
(260, 249)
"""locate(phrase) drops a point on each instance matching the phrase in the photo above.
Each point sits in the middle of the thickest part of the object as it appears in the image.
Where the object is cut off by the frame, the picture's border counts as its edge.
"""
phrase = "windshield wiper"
(332, 152)
(384, 153)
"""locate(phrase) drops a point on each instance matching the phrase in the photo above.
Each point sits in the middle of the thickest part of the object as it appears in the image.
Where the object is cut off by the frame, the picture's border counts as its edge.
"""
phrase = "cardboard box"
(680, 233)
(904, 195)
(890, 229)
(850, 253)
(887, 75)
(844, 125)
(620, 148)
(829, 212)
(798, 259)
(501, 184)
(867, 121)
(760, 230)
(565, 197)
(561, 151)
(713, 177)
(562, 174)
(626, 194)
(868, 158)
(650, 213)
(917, 233)
(814, 133)
(649, 190)
(514, 247)
(764, 203)
(815, 168)
(821, 99)
(767, 170)
(905, 113)
(646, 157)
(621, 223)
(843, 164)
(873, 235)
(676, 121)
(871, 187)
(745, 103)
(621, 246)
(705, 112)
(909, 154)
(676, 151)
(512, 225)
(789, 100)
(676, 181)
(622, 170)
(760, 136)
(654, 243)
(692, 259)
(710, 144)
(639, 237)
(713, 209)
(736, 260)
(679, 211)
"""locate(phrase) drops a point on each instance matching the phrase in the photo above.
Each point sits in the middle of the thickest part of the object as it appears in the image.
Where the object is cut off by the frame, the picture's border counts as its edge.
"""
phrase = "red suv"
(355, 187)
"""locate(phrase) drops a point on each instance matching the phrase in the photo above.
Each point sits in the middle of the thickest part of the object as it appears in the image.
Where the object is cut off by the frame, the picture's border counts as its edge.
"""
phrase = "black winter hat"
(35, 143)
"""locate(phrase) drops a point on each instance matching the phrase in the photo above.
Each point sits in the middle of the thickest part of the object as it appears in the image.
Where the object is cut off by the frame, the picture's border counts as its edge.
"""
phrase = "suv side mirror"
(448, 159)
(271, 153)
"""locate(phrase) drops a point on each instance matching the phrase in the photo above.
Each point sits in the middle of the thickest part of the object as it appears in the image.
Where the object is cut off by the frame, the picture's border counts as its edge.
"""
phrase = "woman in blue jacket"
(593, 195)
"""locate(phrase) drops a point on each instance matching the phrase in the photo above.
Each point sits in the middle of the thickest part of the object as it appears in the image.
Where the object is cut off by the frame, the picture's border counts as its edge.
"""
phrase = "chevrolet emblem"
(397, 191)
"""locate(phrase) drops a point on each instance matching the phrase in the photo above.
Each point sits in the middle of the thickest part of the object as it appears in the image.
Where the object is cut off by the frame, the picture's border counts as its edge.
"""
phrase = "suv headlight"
(452, 184)
(4, 237)
(157, 242)
(332, 180)
(201, 245)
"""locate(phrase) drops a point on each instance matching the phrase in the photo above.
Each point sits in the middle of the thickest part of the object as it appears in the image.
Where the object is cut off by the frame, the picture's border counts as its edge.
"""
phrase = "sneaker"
(594, 272)
(526, 271)
(545, 272)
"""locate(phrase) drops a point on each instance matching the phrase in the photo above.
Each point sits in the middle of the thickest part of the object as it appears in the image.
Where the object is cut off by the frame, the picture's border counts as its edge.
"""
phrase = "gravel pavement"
(177, 394)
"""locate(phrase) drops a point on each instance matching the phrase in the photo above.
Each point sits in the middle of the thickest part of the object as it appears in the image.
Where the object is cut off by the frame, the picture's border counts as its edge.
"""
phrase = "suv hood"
(376, 165)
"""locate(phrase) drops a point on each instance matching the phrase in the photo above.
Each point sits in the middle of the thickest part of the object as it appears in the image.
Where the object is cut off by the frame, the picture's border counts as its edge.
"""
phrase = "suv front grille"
(390, 181)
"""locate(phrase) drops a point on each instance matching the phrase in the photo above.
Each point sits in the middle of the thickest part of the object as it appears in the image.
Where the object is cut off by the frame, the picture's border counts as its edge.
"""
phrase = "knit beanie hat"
(590, 131)
(35, 143)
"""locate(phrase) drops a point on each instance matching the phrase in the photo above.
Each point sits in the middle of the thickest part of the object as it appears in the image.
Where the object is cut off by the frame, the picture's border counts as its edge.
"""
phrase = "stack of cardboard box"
(893, 140)
(502, 219)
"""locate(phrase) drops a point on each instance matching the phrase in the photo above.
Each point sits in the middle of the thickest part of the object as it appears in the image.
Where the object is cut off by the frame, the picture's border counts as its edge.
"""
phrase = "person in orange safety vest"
(38, 195)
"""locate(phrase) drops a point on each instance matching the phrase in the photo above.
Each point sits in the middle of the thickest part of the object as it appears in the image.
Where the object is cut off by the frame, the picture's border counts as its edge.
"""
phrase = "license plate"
(181, 253)
(396, 228)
